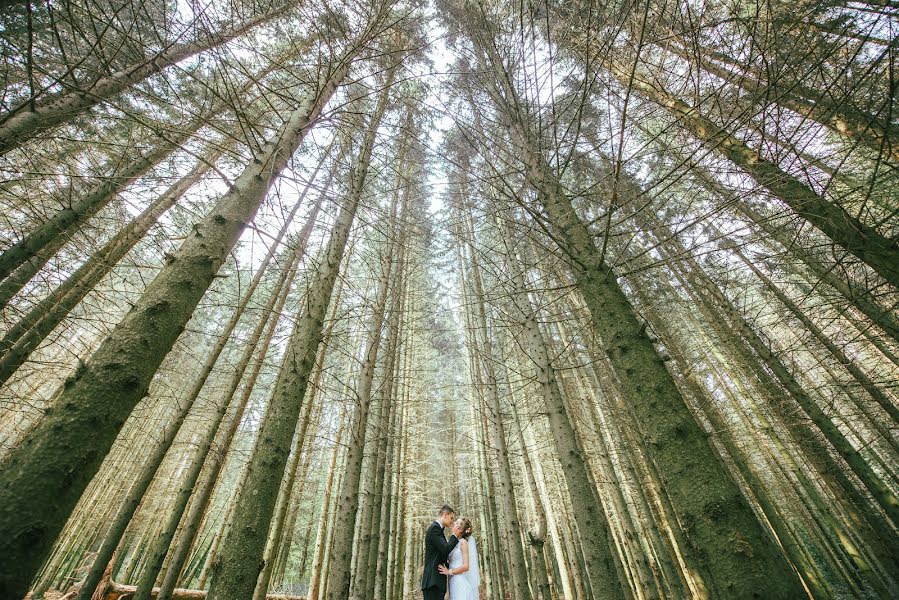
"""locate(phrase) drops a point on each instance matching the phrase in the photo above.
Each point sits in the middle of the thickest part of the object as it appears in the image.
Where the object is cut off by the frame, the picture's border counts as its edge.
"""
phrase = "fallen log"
(118, 591)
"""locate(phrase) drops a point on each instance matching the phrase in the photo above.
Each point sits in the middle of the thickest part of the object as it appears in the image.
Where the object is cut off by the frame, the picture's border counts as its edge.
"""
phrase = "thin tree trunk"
(324, 519)
(820, 455)
(806, 101)
(287, 488)
(371, 500)
(163, 540)
(508, 522)
(376, 563)
(591, 526)
(857, 295)
(864, 241)
(346, 524)
(22, 260)
(838, 353)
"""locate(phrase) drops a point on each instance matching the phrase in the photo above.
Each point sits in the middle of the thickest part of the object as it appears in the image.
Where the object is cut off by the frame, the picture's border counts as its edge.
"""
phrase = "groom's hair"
(446, 509)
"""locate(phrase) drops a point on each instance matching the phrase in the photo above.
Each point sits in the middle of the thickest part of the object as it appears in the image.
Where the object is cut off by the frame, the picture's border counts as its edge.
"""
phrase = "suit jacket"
(437, 550)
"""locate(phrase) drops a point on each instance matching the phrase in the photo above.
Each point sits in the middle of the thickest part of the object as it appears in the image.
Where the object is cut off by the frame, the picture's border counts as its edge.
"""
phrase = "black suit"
(437, 550)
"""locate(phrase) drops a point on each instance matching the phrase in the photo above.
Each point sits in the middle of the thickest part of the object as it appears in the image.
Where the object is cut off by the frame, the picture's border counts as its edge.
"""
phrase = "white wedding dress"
(464, 586)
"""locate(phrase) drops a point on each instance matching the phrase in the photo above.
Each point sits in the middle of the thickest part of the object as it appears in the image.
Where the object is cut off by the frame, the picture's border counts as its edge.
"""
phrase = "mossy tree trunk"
(160, 546)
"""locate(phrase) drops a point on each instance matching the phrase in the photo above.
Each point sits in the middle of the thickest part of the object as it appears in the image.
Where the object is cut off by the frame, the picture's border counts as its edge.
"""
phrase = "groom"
(437, 549)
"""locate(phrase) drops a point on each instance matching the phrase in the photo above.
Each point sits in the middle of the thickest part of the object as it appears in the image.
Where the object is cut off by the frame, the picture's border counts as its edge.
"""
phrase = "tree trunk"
(324, 519)
(508, 521)
(856, 295)
(161, 545)
(808, 102)
(590, 526)
(876, 250)
(287, 488)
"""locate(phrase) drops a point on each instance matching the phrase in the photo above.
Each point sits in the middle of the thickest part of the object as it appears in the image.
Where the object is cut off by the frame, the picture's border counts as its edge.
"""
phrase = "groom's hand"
(443, 570)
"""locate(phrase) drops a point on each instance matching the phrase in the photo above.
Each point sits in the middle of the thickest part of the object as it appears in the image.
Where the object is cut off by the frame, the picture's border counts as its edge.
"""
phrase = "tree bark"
(161, 544)
(508, 521)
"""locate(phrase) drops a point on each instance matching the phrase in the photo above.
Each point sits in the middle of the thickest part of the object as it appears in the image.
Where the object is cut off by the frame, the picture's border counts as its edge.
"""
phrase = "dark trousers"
(434, 594)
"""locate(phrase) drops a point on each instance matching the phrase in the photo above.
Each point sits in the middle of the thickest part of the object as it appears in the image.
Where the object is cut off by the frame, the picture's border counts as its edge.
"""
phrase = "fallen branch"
(118, 591)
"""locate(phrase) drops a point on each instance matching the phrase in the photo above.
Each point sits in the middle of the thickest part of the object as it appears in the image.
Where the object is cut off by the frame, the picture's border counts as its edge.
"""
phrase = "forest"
(617, 280)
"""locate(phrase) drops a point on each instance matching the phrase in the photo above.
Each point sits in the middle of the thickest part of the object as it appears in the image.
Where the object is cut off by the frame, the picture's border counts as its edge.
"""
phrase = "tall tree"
(703, 494)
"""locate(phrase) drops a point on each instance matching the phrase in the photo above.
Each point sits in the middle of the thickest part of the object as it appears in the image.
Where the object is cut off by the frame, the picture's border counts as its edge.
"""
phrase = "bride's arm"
(463, 543)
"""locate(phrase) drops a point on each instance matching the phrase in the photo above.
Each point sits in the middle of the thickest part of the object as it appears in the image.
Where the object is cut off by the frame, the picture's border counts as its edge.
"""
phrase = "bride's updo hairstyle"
(465, 522)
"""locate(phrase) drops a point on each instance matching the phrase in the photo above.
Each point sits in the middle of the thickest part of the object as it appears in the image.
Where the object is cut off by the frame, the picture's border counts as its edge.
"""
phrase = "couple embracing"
(456, 559)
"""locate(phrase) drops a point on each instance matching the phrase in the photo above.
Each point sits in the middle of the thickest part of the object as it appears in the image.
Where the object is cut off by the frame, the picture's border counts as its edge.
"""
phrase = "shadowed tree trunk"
(591, 526)
(160, 546)
(136, 493)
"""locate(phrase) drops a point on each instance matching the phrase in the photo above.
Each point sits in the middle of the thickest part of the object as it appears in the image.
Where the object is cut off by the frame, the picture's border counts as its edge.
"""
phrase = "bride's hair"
(466, 526)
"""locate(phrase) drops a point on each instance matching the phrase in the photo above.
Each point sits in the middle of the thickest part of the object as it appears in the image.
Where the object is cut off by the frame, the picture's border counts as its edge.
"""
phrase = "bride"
(464, 572)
